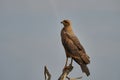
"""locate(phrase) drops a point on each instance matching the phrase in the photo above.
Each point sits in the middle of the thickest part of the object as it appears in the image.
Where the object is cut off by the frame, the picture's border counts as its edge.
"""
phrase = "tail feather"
(85, 69)
(83, 66)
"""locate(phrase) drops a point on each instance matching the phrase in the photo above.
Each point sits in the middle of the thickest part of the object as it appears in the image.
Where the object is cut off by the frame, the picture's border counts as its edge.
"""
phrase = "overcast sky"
(30, 37)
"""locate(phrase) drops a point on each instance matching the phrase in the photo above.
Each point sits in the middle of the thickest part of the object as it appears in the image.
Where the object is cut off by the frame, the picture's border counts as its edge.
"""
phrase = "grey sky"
(30, 37)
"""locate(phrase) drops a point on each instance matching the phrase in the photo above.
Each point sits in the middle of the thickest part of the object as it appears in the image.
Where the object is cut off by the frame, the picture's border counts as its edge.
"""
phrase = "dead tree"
(64, 74)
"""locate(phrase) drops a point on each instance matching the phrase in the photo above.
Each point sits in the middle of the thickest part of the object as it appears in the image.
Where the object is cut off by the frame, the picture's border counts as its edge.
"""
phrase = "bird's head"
(66, 23)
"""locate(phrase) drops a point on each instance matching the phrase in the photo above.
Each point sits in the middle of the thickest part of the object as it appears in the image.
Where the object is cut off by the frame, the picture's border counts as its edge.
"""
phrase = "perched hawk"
(73, 48)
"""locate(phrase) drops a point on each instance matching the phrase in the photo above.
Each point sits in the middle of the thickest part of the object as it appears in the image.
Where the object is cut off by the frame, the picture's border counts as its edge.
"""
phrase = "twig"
(74, 78)
(46, 73)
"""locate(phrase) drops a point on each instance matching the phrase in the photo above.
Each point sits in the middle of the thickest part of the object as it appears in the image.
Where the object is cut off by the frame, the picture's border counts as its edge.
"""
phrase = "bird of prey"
(73, 47)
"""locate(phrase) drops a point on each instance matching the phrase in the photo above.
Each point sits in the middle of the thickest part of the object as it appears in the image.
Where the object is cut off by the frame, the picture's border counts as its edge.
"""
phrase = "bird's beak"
(61, 22)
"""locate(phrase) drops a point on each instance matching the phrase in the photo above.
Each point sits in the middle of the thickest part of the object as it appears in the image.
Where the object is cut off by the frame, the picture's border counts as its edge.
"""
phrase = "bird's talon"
(65, 68)
(70, 65)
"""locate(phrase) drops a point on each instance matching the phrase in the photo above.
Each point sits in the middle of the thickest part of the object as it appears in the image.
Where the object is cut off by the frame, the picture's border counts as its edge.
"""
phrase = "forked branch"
(64, 74)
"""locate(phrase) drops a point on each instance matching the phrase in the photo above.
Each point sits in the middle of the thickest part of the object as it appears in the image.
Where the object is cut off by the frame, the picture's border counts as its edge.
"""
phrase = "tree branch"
(74, 78)
(65, 72)
(46, 73)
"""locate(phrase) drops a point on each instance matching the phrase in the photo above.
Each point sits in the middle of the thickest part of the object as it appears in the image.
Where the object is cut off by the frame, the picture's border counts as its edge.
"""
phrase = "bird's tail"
(85, 69)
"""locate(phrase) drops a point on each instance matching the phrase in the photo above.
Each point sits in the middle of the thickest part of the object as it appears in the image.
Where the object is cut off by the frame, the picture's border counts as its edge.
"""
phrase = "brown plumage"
(73, 48)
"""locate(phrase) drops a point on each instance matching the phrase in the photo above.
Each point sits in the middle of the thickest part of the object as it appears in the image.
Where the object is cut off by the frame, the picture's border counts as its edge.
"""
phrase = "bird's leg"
(65, 67)
(71, 62)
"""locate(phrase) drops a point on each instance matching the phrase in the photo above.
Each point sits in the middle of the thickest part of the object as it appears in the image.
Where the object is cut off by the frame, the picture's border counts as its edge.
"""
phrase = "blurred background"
(30, 37)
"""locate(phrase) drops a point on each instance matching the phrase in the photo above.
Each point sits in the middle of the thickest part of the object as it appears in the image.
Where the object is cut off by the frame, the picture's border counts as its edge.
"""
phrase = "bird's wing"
(69, 45)
(76, 42)
(74, 46)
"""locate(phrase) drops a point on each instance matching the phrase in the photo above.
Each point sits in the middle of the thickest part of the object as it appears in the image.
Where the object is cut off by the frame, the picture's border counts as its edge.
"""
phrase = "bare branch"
(46, 73)
(74, 78)
(65, 72)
